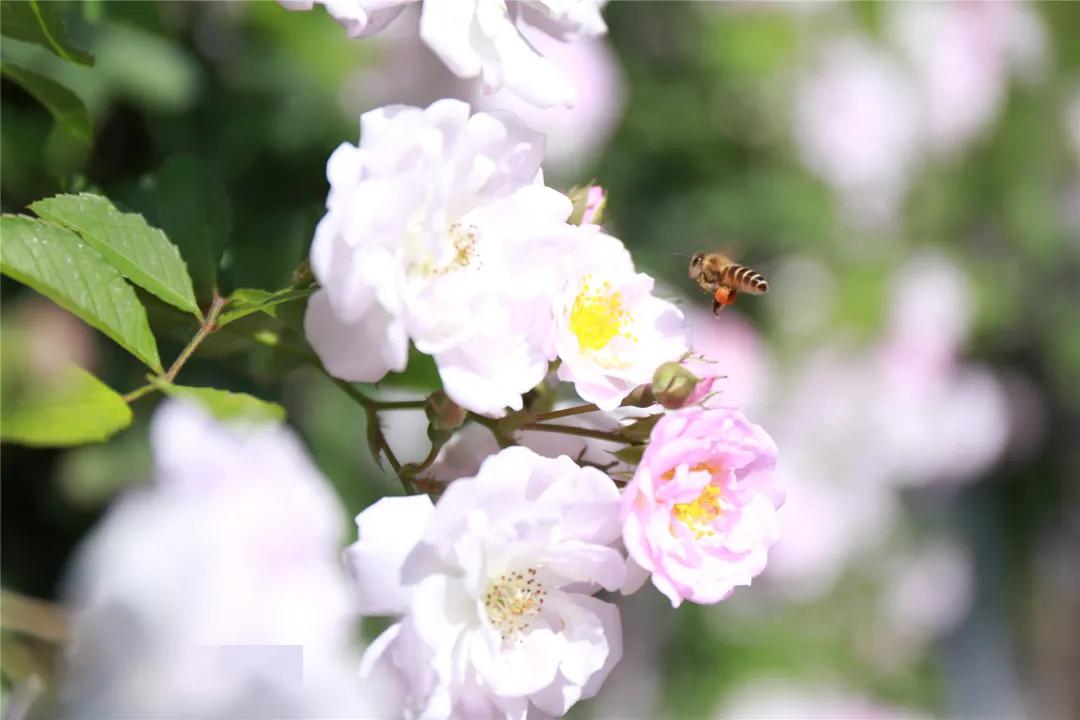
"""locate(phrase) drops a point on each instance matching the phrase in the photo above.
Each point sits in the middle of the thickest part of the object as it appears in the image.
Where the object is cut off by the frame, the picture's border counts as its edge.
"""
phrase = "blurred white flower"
(963, 54)
(939, 419)
(855, 426)
(216, 591)
(611, 331)
(839, 504)
(857, 127)
(927, 593)
(483, 38)
(439, 230)
(359, 17)
(784, 699)
(494, 588)
(735, 351)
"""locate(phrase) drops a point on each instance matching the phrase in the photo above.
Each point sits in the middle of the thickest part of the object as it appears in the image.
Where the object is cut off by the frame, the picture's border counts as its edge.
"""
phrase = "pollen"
(700, 514)
(462, 247)
(598, 315)
(513, 601)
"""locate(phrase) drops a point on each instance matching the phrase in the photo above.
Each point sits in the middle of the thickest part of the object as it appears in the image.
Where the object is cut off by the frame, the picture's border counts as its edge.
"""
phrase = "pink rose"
(701, 510)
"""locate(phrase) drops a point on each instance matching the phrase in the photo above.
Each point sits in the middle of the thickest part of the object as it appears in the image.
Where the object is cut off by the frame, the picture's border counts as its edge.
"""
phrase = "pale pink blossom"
(857, 127)
(701, 510)
(359, 17)
(493, 587)
(786, 699)
(575, 135)
(216, 590)
(483, 38)
(963, 54)
(439, 231)
(611, 332)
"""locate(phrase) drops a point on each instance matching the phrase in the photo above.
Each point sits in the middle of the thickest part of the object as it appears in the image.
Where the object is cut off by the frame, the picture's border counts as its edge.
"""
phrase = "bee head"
(695, 265)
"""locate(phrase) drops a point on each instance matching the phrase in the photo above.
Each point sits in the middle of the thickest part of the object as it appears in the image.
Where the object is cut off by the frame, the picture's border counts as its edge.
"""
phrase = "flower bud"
(444, 416)
(589, 203)
(673, 385)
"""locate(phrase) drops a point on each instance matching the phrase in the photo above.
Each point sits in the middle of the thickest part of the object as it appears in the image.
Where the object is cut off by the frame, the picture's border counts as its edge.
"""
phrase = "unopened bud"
(673, 385)
(589, 203)
(444, 416)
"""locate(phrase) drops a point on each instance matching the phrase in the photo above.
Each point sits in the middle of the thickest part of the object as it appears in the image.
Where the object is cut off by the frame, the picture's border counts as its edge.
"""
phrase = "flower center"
(462, 241)
(597, 315)
(513, 601)
(700, 514)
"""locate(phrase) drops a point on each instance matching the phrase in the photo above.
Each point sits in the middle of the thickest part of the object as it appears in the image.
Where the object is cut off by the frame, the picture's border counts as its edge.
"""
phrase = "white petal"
(446, 26)
(388, 531)
(587, 563)
(523, 70)
(363, 351)
(593, 637)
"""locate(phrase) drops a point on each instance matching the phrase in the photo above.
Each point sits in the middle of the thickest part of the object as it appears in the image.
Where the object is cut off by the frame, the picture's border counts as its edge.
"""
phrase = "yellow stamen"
(598, 316)
(700, 514)
(513, 601)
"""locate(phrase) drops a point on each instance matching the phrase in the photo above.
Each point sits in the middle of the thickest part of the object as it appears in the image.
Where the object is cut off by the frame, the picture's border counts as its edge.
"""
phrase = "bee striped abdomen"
(744, 279)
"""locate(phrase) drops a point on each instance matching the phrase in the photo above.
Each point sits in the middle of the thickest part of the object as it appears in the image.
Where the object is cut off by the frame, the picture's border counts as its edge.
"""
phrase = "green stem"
(567, 412)
(209, 325)
(138, 393)
(371, 403)
(417, 468)
(501, 438)
(579, 431)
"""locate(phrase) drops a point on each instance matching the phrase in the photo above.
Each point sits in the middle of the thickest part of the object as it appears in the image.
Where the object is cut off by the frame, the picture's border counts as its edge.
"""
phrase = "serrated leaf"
(65, 106)
(193, 208)
(76, 409)
(226, 405)
(37, 22)
(60, 266)
(140, 252)
(246, 301)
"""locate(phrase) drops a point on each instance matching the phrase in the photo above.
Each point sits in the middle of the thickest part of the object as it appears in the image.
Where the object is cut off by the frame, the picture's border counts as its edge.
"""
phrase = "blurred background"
(906, 175)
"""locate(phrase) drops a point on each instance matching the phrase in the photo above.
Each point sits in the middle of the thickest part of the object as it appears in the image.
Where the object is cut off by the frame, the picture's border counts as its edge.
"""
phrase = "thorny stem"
(579, 431)
(416, 468)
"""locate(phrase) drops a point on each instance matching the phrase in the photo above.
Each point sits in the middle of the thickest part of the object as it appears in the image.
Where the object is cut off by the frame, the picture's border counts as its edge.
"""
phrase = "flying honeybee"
(724, 279)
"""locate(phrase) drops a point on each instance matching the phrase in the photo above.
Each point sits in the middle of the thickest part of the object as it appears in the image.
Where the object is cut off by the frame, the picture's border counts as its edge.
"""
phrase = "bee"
(724, 279)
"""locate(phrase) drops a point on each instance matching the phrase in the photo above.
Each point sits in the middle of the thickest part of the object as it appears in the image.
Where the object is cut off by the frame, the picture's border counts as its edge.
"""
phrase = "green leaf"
(226, 405)
(65, 106)
(37, 22)
(142, 253)
(640, 430)
(246, 301)
(193, 208)
(631, 454)
(60, 266)
(76, 409)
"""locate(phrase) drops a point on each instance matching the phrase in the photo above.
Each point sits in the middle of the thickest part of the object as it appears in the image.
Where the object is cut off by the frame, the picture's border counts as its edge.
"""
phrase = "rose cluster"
(440, 236)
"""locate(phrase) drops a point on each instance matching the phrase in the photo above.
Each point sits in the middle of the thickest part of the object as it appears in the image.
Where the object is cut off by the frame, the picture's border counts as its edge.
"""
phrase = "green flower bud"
(444, 417)
(673, 385)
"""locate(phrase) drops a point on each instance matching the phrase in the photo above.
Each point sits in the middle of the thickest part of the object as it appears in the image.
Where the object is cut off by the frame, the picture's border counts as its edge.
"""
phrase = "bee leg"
(717, 307)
